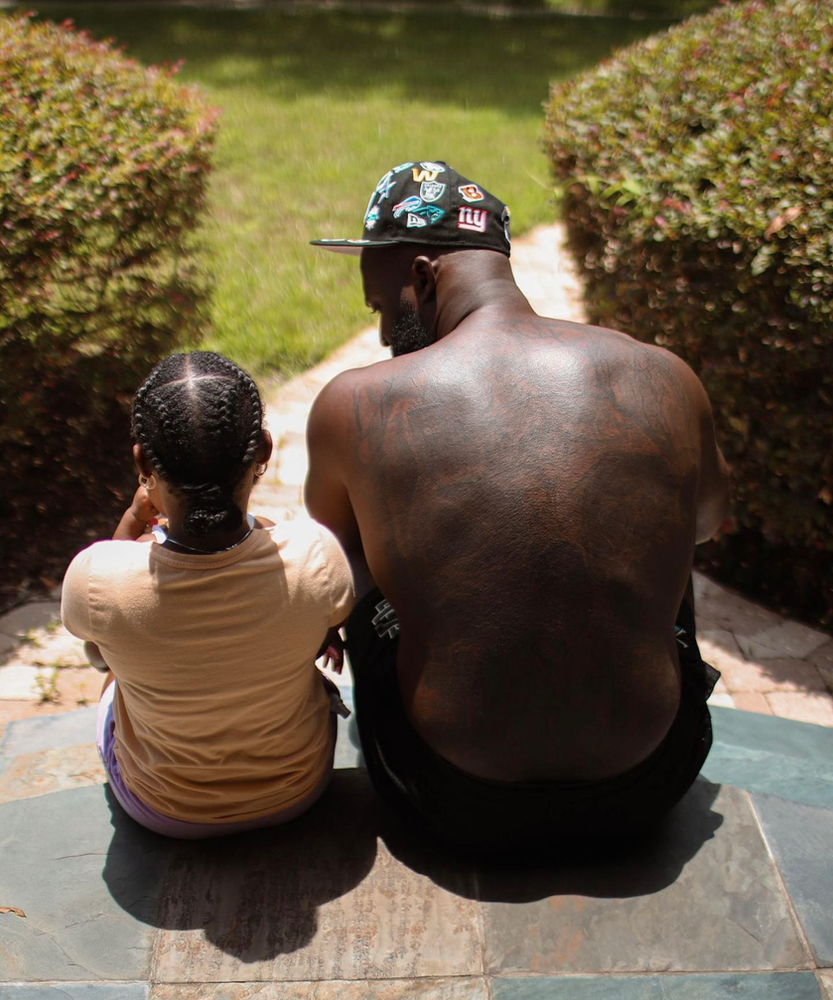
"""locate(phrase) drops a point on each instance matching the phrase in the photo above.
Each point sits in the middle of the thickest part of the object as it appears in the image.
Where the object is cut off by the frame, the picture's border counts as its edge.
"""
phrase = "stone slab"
(823, 656)
(19, 682)
(398, 989)
(53, 649)
(318, 899)
(74, 991)
(49, 732)
(751, 701)
(705, 896)
(33, 774)
(723, 699)
(767, 986)
(774, 756)
(826, 981)
(34, 615)
(801, 840)
(786, 639)
(815, 707)
(725, 609)
(88, 882)
(770, 675)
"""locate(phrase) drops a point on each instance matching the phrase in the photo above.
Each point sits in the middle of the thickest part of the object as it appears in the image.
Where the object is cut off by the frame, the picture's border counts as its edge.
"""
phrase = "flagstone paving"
(731, 899)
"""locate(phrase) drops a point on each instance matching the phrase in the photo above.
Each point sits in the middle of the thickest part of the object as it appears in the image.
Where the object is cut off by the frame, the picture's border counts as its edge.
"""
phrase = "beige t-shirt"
(220, 713)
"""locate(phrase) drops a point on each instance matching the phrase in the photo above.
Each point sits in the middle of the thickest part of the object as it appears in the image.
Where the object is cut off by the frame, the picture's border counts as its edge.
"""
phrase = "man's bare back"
(527, 494)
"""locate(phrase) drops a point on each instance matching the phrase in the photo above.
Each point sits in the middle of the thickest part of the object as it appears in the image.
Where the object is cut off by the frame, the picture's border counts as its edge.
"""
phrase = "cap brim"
(352, 247)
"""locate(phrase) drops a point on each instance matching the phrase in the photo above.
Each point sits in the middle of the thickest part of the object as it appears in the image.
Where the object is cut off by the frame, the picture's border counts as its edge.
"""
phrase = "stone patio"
(731, 899)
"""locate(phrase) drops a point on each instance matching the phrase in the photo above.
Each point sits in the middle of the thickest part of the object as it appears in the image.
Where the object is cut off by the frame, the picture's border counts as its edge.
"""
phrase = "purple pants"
(180, 828)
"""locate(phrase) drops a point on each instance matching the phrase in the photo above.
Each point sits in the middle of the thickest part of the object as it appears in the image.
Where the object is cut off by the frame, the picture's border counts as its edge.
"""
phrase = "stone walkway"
(731, 900)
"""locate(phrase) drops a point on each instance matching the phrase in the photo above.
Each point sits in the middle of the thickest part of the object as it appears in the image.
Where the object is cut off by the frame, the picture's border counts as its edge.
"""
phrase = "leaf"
(12, 909)
(784, 219)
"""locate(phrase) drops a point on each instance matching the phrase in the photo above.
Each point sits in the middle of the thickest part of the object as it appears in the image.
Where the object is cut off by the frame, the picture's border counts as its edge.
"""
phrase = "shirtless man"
(526, 493)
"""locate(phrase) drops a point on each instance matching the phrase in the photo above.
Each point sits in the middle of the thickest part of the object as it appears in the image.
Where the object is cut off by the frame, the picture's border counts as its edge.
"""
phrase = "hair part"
(199, 420)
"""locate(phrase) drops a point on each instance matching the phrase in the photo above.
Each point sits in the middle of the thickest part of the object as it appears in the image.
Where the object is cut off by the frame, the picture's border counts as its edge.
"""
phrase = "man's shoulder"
(637, 353)
(348, 394)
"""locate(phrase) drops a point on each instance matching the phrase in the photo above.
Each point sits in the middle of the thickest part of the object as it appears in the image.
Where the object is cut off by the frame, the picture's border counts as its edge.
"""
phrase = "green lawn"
(315, 107)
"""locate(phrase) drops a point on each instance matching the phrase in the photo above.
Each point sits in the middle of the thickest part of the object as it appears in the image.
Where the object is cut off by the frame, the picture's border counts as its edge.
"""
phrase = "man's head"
(399, 286)
(418, 212)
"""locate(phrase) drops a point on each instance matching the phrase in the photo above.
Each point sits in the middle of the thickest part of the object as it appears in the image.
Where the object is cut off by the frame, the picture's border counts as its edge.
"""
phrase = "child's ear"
(143, 466)
(264, 448)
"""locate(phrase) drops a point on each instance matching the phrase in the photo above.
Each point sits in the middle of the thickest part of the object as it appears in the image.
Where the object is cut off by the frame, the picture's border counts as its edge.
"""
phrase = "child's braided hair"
(198, 418)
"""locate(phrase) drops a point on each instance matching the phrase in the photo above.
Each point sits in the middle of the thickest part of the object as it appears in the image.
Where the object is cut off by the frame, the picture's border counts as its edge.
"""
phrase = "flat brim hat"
(429, 203)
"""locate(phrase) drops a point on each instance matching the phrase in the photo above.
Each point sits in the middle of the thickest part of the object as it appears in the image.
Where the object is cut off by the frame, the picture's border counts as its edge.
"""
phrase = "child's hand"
(142, 508)
(134, 522)
(332, 650)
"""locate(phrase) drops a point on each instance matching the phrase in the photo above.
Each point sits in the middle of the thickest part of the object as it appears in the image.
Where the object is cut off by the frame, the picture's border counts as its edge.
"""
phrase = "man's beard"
(407, 333)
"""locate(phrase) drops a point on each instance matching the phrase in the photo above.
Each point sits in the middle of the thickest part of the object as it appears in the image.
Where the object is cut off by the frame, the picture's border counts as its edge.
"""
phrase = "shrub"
(103, 166)
(697, 170)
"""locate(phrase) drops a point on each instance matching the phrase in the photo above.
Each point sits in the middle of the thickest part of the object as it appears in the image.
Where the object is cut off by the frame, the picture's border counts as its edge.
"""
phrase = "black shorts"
(495, 817)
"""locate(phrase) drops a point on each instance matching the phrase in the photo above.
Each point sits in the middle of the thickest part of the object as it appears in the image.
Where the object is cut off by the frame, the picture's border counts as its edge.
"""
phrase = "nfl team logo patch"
(470, 192)
(408, 205)
(431, 190)
(474, 219)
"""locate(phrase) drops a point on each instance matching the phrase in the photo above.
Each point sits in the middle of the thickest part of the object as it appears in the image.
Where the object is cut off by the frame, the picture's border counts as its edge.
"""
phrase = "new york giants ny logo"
(475, 219)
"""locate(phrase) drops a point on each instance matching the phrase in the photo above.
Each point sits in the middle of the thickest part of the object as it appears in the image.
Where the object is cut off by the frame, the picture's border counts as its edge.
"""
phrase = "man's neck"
(477, 286)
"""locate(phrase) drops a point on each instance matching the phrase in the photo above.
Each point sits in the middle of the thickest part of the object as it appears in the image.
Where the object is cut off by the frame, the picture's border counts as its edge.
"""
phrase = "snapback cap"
(429, 203)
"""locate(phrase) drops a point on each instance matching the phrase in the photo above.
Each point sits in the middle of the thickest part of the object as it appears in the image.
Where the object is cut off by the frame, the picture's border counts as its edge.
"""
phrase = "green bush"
(103, 165)
(697, 171)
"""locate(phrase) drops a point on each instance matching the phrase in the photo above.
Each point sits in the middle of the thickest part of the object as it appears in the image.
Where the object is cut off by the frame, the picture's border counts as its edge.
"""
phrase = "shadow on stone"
(254, 895)
(616, 872)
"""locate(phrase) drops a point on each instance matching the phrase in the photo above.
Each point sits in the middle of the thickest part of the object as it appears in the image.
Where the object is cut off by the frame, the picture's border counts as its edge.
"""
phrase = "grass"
(316, 104)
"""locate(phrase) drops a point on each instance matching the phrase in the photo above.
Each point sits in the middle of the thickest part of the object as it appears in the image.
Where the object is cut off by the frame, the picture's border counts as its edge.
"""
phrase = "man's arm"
(329, 439)
(713, 491)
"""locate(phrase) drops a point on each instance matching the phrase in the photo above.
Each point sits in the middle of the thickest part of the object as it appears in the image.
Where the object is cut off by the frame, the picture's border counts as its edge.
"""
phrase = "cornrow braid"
(198, 418)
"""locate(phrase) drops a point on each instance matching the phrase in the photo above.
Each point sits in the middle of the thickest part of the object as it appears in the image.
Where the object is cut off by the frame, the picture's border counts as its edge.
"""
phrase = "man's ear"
(424, 275)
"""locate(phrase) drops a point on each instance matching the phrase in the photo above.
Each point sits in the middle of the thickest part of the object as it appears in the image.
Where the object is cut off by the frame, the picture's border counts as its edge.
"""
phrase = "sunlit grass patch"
(316, 106)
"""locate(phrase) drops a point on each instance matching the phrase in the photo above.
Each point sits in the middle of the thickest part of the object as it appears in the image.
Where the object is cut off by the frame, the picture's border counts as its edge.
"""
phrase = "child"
(218, 720)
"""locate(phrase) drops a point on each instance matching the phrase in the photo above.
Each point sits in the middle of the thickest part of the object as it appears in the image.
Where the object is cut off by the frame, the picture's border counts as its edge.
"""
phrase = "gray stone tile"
(704, 896)
(786, 639)
(823, 656)
(317, 899)
(771, 755)
(704, 587)
(74, 991)
(738, 615)
(801, 840)
(89, 889)
(53, 649)
(50, 732)
(757, 732)
(815, 707)
(767, 986)
(33, 774)
(19, 682)
(398, 989)
(36, 614)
